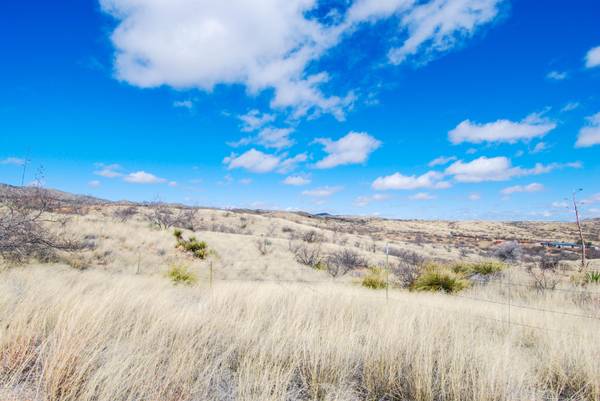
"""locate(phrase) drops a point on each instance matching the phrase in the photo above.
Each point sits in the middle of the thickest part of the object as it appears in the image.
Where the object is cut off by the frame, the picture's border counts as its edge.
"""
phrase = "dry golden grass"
(92, 335)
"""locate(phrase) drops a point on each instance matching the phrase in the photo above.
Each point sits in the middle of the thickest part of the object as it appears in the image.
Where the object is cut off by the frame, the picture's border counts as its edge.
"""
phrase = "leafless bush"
(509, 252)
(341, 262)
(543, 273)
(407, 256)
(164, 217)
(264, 246)
(312, 237)
(24, 222)
(405, 273)
(123, 214)
(308, 255)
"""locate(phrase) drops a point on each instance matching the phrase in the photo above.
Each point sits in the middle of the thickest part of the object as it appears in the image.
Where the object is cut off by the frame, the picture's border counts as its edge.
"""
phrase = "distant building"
(561, 245)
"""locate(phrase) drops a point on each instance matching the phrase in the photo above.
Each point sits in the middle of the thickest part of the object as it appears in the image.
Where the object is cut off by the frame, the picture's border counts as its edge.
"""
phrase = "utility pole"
(576, 208)
(25, 163)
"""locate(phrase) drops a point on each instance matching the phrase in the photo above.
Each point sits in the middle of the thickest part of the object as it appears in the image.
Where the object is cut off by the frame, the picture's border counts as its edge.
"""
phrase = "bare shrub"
(341, 262)
(164, 217)
(509, 252)
(405, 273)
(543, 274)
(312, 237)
(408, 267)
(24, 222)
(161, 216)
(308, 255)
(123, 214)
(264, 246)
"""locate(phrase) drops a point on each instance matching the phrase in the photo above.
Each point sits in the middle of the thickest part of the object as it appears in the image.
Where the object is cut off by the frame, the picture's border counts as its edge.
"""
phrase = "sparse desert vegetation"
(246, 305)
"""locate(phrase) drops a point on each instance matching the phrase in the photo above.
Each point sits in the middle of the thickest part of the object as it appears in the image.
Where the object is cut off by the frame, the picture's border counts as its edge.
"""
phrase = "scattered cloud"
(291, 163)
(270, 46)
(108, 170)
(560, 205)
(441, 161)
(498, 169)
(142, 177)
(296, 180)
(246, 181)
(570, 106)
(422, 196)
(501, 131)
(172, 183)
(397, 181)
(354, 148)
(183, 104)
(592, 199)
(534, 187)
(253, 160)
(16, 161)
(363, 201)
(437, 26)
(592, 58)
(590, 134)
(557, 75)
(94, 184)
(259, 162)
(474, 197)
(254, 120)
(540, 147)
(322, 192)
(275, 138)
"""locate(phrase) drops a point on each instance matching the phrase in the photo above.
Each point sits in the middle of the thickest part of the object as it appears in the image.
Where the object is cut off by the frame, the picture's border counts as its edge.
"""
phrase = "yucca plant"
(593, 277)
(440, 278)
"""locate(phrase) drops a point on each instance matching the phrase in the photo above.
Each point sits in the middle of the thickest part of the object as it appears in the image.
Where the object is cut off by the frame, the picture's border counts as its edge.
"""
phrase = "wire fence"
(508, 306)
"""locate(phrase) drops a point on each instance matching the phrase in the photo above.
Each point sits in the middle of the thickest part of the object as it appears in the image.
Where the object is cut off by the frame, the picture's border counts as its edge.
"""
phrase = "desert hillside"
(125, 301)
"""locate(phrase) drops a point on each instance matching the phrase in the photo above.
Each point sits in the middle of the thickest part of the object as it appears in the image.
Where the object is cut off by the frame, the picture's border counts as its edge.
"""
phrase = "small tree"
(24, 225)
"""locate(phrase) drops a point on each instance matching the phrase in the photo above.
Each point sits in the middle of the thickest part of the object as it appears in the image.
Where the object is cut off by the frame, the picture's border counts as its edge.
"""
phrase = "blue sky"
(450, 109)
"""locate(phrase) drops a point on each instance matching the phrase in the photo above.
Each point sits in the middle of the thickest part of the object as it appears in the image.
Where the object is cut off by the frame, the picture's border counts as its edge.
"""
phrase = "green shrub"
(484, 268)
(181, 275)
(593, 277)
(489, 267)
(375, 280)
(440, 278)
(198, 248)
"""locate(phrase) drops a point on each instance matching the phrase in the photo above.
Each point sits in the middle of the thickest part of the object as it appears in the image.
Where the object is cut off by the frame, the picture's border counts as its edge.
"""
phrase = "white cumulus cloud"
(354, 148)
(296, 180)
(108, 170)
(592, 58)
(268, 44)
(439, 25)
(253, 160)
(398, 181)
(16, 161)
(442, 160)
(534, 187)
(422, 196)
(498, 169)
(322, 192)
(505, 131)
(590, 134)
(259, 162)
(142, 177)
